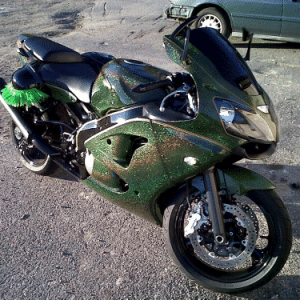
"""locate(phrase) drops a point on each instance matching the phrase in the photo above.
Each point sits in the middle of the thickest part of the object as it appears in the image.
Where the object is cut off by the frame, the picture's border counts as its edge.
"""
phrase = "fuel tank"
(113, 87)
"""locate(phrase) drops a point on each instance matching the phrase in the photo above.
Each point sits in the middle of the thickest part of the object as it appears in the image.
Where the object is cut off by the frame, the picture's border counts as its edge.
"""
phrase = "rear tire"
(270, 251)
(213, 18)
(31, 157)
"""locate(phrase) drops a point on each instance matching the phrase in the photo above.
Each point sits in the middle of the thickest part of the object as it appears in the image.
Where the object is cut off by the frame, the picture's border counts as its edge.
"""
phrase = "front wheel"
(258, 234)
(211, 17)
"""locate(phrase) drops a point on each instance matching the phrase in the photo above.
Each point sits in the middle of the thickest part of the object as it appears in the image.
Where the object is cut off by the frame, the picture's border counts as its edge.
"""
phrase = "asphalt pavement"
(61, 240)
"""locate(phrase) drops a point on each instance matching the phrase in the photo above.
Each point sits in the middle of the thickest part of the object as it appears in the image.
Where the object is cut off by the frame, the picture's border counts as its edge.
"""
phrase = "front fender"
(234, 179)
(238, 180)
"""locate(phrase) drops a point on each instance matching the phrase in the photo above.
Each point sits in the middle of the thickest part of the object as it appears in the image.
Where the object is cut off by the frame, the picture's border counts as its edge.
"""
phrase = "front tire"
(260, 216)
(213, 18)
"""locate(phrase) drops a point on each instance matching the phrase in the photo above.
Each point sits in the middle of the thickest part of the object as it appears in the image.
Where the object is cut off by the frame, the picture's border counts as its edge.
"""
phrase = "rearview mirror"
(247, 36)
(186, 44)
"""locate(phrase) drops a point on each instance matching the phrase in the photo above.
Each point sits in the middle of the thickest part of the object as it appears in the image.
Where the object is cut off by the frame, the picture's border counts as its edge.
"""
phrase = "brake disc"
(241, 238)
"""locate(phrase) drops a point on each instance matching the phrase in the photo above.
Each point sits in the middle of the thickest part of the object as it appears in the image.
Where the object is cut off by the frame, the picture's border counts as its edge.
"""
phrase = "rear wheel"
(31, 157)
(213, 18)
(258, 234)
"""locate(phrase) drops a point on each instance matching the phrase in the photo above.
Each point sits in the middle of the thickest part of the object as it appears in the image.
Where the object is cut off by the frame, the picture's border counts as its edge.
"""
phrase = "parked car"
(270, 19)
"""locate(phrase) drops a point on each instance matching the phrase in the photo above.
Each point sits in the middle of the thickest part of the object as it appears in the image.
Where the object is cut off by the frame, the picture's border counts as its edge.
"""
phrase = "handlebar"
(142, 88)
(175, 80)
(182, 83)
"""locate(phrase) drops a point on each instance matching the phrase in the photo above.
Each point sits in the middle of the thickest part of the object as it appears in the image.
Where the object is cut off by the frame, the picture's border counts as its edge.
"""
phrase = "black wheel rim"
(260, 257)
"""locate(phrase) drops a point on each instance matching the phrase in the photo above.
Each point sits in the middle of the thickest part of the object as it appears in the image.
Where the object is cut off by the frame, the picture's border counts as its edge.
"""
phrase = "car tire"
(213, 18)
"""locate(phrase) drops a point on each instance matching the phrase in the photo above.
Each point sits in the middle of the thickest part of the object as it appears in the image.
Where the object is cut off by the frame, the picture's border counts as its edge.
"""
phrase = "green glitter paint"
(113, 87)
(143, 170)
(60, 94)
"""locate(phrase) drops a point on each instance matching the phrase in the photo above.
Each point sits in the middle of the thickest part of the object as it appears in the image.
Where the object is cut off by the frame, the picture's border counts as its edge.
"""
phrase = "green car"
(269, 19)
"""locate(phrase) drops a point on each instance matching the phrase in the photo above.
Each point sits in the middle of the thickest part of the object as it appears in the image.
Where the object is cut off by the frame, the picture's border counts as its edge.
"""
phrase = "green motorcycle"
(162, 146)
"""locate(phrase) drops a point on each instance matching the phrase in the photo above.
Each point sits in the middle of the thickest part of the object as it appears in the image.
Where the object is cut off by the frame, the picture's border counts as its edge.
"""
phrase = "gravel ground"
(58, 238)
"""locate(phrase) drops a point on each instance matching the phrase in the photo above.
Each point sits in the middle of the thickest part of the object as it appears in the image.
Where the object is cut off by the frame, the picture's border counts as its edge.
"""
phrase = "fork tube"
(214, 206)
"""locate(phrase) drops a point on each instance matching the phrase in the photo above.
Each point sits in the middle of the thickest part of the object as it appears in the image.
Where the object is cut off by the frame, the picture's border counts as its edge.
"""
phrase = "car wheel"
(213, 18)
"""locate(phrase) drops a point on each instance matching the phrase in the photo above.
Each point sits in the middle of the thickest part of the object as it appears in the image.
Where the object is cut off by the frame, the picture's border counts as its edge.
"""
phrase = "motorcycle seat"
(48, 51)
(77, 78)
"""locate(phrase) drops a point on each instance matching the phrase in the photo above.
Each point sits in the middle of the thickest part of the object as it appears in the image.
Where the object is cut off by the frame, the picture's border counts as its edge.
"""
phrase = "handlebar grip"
(142, 88)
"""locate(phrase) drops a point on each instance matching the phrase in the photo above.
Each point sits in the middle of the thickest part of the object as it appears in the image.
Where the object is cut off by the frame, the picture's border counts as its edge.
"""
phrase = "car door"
(257, 16)
(291, 19)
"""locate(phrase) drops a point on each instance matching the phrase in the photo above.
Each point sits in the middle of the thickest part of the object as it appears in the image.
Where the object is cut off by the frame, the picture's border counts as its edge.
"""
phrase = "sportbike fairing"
(220, 71)
(136, 156)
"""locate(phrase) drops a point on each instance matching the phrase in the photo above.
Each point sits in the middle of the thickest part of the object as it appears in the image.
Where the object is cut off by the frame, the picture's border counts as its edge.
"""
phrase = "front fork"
(214, 206)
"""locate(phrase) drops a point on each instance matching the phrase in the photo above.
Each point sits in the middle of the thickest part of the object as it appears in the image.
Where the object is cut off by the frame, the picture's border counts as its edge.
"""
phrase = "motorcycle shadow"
(62, 174)
(287, 181)
(281, 287)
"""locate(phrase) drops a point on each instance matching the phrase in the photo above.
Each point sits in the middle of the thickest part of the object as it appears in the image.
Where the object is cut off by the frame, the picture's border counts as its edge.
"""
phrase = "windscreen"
(224, 57)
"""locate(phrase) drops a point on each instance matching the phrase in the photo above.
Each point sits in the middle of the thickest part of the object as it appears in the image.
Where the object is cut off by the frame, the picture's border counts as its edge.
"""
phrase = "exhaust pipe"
(24, 127)
(37, 141)
(27, 131)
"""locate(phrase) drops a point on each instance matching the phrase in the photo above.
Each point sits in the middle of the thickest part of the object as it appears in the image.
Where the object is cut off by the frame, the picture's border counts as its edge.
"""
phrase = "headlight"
(244, 122)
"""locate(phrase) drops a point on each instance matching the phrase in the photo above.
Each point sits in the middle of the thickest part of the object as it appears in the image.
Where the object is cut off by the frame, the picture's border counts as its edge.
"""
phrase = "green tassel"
(18, 98)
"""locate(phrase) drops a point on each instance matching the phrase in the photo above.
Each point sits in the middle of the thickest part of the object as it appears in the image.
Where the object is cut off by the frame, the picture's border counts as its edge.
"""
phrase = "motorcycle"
(163, 146)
